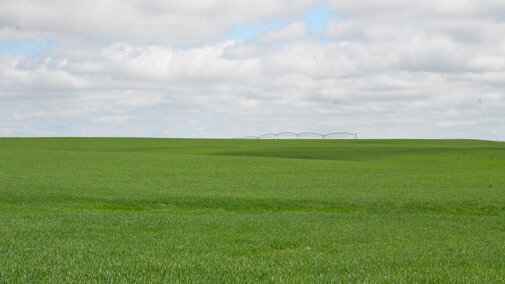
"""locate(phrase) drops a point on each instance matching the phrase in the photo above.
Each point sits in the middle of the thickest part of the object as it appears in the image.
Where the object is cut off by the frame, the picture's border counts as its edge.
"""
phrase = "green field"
(201, 210)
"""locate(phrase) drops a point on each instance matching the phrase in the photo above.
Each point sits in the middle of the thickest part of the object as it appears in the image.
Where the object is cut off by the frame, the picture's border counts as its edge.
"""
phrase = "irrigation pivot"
(305, 135)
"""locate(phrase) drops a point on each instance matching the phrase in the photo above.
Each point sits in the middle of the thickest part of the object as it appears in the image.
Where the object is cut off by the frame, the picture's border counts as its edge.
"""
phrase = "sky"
(234, 68)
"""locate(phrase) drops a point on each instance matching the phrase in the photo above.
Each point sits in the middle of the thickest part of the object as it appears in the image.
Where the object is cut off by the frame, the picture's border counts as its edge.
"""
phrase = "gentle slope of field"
(121, 209)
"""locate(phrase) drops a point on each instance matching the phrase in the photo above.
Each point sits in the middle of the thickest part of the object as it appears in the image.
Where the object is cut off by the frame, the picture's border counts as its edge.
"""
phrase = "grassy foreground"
(182, 210)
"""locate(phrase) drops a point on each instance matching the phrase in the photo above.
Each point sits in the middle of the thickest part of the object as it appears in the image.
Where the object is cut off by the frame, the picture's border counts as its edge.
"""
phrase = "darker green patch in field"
(348, 153)
(187, 204)
(263, 206)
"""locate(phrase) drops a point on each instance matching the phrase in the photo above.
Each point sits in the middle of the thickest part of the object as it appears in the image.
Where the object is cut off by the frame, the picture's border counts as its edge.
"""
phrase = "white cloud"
(386, 69)
(440, 8)
(176, 22)
(112, 118)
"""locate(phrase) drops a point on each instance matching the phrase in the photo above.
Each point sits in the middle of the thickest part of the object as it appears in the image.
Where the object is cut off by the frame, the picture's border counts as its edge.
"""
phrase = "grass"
(202, 210)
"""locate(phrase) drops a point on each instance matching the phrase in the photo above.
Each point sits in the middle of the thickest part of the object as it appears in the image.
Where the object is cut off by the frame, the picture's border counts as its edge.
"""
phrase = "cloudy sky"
(230, 68)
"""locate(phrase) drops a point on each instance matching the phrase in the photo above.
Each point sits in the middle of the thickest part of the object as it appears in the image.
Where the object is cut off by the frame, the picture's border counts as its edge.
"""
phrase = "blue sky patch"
(244, 31)
(24, 48)
(315, 17)
(318, 16)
